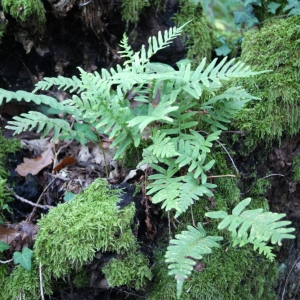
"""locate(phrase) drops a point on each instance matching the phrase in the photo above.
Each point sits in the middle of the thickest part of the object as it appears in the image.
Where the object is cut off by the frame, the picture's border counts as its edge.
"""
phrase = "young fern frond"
(188, 245)
(254, 226)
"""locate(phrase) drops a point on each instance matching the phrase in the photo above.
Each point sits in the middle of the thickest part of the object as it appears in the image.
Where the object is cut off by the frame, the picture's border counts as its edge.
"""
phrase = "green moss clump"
(228, 273)
(23, 10)
(23, 284)
(71, 233)
(199, 31)
(7, 146)
(274, 47)
(131, 270)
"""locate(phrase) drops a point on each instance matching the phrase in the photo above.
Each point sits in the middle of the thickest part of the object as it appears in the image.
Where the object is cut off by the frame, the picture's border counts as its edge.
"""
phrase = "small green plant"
(178, 151)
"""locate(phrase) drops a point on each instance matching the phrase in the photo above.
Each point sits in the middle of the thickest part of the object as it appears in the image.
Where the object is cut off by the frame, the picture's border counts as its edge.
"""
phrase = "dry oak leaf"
(35, 165)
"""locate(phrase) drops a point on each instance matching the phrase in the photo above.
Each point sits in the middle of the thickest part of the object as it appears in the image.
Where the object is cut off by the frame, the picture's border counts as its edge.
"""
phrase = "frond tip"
(188, 245)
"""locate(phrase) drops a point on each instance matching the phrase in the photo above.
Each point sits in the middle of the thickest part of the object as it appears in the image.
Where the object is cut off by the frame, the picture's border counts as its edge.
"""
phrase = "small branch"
(225, 151)
(41, 281)
(220, 176)
(6, 261)
(32, 203)
(273, 175)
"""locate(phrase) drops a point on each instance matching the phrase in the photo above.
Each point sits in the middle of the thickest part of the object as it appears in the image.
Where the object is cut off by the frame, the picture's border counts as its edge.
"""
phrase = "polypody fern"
(178, 153)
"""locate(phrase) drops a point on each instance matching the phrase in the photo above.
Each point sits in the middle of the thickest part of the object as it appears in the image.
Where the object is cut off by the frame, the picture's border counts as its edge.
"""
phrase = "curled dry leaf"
(35, 165)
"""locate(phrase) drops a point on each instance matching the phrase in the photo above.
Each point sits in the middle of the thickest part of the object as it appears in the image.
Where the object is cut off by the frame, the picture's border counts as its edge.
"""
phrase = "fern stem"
(103, 152)
(192, 214)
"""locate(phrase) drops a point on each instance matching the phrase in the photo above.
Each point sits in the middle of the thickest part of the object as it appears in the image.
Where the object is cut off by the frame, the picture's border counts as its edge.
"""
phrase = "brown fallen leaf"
(7, 235)
(35, 165)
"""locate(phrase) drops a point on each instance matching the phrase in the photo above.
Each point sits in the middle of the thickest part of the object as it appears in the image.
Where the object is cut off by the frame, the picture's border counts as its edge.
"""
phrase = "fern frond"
(45, 124)
(61, 82)
(222, 108)
(160, 113)
(37, 99)
(254, 226)
(162, 146)
(193, 153)
(188, 245)
(165, 187)
(192, 190)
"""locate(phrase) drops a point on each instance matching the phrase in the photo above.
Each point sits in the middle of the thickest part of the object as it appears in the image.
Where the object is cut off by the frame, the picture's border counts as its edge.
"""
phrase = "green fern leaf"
(188, 245)
(165, 187)
(254, 226)
(37, 99)
(45, 124)
(162, 146)
(192, 190)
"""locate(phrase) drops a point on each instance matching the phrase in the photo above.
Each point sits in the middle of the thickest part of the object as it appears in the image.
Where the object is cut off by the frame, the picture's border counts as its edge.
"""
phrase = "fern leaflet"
(189, 244)
(253, 226)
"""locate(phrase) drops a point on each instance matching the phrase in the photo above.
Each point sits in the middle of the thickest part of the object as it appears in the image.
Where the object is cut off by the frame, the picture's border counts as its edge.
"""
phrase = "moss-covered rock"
(274, 47)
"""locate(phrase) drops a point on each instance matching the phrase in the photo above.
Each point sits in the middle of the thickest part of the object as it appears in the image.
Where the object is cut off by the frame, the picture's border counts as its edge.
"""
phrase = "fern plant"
(178, 152)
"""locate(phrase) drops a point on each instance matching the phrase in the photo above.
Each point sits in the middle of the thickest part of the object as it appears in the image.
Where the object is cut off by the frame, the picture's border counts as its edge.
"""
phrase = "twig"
(6, 261)
(225, 151)
(273, 175)
(32, 203)
(220, 176)
(39, 200)
(193, 217)
(41, 281)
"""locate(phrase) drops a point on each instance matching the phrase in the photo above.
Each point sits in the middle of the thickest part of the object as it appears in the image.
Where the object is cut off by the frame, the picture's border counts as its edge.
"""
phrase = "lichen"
(131, 271)
(70, 234)
(274, 47)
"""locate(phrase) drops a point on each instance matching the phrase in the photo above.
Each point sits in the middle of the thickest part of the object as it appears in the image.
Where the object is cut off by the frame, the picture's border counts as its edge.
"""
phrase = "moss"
(296, 168)
(199, 31)
(131, 270)
(274, 47)
(81, 279)
(223, 275)
(7, 146)
(23, 10)
(71, 233)
(23, 284)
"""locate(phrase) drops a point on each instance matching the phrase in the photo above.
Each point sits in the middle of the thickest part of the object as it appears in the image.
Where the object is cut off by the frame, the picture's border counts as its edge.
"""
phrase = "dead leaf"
(7, 235)
(69, 160)
(35, 165)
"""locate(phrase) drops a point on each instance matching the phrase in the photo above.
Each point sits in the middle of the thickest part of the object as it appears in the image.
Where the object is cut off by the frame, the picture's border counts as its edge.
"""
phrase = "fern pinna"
(177, 152)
